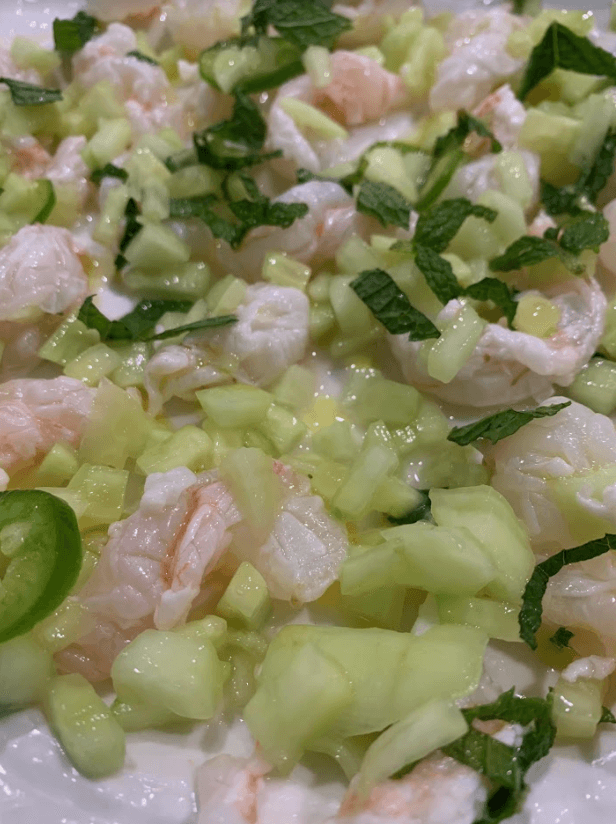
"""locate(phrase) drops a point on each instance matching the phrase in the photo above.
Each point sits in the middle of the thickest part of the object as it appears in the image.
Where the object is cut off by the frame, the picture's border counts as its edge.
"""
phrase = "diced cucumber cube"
(25, 670)
(235, 406)
(299, 706)
(70, 340)
(496, 619)
(424, 730)
(87, 729)
(295, 388)
(388, 401)
(170, 671)
(492, 521)
(576, 710)
(136, 717)
(93, 364)
(58, 466)
(156, 247)
(117, 428)
(211, 628)
(112, 138)
(367, 472)
(189, 446)
(282, 270)
(246, 600)
(595, 386)
(391, 673)
(255, 486)
(282, 428)
(102, 490)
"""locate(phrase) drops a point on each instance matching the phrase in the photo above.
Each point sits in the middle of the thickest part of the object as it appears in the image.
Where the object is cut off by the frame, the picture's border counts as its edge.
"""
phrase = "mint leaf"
(282, 62)
(571, 199)
(385, 203)
(456, 137)
(207, 323)
(135, 325)
(607, 716)
(235, 143)
(142, 57)
(561, 48)
(504, 766)
(561, 638)
(249, 213)
(438, 273)
(525, 251)
(47, 207)
(437, 227)
(301, 22)
(586, 232)
(532, 608)
(69, 36)
(131, 228)
(501, 425)
(25, 94)
(498, 292)
(391, 307)
(108, 170)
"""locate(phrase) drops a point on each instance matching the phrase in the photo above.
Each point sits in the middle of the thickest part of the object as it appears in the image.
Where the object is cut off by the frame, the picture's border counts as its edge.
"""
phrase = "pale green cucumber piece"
(496, 619)
(285, 714)
(595, 386)
(85, 726)
(25, 671)
(235, 406)
(246, 600)
(58, 466)
(391, 673)
(255, 486)
(490, 518)
(424, 730)
(210, 628)
(70, 340)
(189, 446)
(156, 247)
(577, 709)
(172, 672)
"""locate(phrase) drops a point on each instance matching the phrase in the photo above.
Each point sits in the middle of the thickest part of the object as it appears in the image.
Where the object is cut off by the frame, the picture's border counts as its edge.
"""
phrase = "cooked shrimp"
(332, 218)
(232, 790)
(438, 791)
(40, 272)
(479, 176)
(36, 414)
(479, 60)
(160, 559)
(369, 18)
(198, 24)
(509, 367)
(144, 88)
(270, 335)
(574, 444)
(360, 92)
(504, 114)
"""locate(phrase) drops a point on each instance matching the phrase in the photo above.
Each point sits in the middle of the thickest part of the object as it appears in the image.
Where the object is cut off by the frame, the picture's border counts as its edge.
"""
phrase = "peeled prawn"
(40, 272)
(159, 560)
(508, 366)
(144, 88)
(479, 60)
(332, 218)
(360, 92)
(270, 335)
(232, 790)
(198, 24)
(438, 791)
(504, 114)
(35, 414)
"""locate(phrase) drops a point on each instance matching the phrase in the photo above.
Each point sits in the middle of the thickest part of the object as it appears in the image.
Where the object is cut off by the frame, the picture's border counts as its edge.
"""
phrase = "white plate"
(38, 785)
